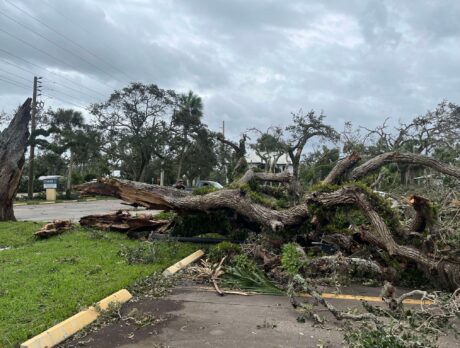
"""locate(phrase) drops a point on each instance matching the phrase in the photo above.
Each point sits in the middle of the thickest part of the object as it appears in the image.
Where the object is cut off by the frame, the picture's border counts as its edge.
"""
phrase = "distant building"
(282, 164)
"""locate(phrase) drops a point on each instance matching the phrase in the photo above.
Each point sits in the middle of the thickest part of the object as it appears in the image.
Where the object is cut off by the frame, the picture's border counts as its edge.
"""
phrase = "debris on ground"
(54, 228)
(135, 226)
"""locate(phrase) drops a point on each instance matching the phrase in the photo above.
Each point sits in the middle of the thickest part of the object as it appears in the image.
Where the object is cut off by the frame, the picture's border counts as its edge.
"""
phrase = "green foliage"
(390, 335)
(246, 276)
(191, 225)
(201, 191)
(144, 253)
(242, 261)
(165, 215)
(43, 282)
(252, 189)
(228, 249)
(292, 259)
(382, 206)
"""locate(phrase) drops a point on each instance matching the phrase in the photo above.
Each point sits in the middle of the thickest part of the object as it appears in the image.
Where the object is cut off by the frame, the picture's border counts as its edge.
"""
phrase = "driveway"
(69, 211)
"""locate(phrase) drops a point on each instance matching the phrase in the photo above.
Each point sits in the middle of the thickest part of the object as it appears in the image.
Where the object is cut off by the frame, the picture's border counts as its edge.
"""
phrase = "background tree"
(269, 146)
(186, 124)
(135, 127)
(70, 134)
(305, 127)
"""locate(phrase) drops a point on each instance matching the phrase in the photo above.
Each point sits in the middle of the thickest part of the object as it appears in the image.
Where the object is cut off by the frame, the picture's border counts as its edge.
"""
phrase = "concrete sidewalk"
(193, 318)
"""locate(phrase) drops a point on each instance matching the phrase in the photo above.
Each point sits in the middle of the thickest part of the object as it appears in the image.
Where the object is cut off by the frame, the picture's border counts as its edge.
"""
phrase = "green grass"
(43, 282)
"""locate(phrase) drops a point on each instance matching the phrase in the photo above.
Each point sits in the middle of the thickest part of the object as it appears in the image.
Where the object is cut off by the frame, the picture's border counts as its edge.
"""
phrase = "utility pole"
(33, 126)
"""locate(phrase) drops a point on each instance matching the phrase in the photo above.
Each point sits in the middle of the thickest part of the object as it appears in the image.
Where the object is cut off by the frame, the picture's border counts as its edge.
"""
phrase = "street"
(68, 211)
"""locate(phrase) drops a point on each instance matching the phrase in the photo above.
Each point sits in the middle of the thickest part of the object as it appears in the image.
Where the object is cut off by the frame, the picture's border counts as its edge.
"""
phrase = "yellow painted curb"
(371, 298)
(91, 199)
(410, 301)
(183, 263)
(19, 204)
(70, 326)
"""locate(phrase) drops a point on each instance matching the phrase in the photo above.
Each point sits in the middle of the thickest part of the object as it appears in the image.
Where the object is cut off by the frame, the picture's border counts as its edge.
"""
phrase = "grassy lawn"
(43, 282)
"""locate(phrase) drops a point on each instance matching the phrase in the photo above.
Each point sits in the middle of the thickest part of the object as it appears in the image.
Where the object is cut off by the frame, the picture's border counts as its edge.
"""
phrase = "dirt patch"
(123, 331)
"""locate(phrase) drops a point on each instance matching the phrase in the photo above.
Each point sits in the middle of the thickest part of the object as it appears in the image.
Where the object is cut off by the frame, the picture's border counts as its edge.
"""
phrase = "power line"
(12, 82)
(55, 44)
(52, 72)
(66, 37)
(18, 84)
(43, 51)
(18, 66)
(51, 81)
(63, 100)
(16, 75)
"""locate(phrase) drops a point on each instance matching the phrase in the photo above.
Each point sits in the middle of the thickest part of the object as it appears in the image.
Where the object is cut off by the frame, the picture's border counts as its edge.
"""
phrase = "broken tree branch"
(406, 158)
(336, 174)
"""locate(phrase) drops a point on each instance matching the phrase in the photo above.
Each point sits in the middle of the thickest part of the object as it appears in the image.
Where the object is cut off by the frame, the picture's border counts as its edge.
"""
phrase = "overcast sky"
(253, 62)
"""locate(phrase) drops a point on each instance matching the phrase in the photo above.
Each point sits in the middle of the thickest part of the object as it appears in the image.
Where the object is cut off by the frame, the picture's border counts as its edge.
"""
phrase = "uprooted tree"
(341, 188)
(13, 142)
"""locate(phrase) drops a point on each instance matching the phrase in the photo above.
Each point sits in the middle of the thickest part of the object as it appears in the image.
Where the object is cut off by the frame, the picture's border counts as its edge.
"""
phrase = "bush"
(141, 254)
(201, 223)
(292, 259)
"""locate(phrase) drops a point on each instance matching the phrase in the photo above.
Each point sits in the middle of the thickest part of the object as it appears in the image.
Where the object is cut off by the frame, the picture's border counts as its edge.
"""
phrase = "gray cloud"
(253, 62)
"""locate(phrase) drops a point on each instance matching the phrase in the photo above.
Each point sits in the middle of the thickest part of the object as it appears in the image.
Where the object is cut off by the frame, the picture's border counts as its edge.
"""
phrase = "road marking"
(326, 295)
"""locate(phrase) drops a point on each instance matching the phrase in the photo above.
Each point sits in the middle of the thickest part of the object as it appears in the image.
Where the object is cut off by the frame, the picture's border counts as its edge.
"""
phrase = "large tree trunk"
(13, 142)
(378, 236)
(406, 158)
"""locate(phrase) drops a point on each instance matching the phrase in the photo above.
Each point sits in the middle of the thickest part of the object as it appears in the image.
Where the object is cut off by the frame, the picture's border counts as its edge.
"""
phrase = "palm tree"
(187, 120)
(69, 134)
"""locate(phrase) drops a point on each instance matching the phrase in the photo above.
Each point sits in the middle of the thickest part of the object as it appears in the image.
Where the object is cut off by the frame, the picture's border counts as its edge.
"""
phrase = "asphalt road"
(193, 318)
(68, 211)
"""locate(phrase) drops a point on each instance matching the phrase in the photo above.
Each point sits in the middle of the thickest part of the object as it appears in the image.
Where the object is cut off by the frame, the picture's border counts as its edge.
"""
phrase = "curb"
(183, 263)
(70, 326)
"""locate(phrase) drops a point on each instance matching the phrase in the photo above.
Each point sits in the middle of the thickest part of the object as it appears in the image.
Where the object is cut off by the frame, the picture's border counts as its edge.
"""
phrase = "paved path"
(68, 211)
(193, 318)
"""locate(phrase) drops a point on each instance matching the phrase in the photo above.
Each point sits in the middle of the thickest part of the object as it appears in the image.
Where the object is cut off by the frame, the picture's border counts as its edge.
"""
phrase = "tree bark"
(406, 158)
(160, 197)
(341, 168)
(275, 177)
(13, 142)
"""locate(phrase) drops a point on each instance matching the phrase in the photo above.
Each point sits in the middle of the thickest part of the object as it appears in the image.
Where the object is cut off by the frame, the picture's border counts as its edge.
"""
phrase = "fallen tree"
(383, 232)
(135, 226)
(13, 143)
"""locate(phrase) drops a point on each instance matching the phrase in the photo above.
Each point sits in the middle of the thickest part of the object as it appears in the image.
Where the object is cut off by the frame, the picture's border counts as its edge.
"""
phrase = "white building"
(282, 164)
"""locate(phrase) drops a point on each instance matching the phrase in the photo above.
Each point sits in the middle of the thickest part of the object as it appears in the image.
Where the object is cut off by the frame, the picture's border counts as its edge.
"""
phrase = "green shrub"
(191, 225)
(292, 259)
(140, 254)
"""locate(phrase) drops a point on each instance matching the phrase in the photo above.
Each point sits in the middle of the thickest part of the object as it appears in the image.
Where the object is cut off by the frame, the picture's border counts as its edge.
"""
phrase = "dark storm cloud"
(253, 62)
